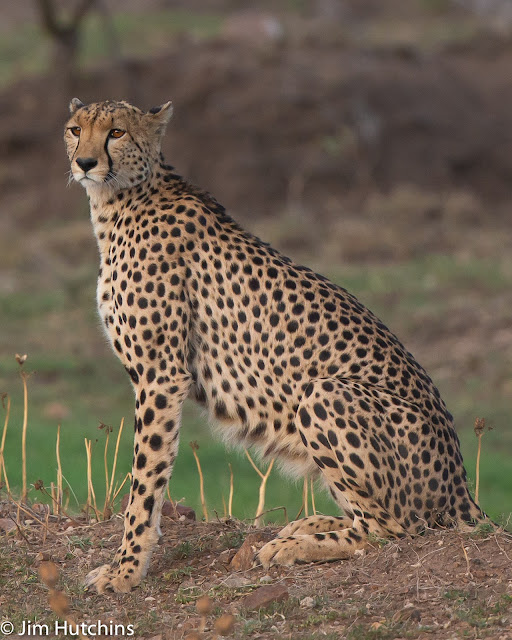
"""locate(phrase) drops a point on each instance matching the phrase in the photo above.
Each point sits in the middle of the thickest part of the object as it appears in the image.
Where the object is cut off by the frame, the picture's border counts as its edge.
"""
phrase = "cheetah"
(281, 358)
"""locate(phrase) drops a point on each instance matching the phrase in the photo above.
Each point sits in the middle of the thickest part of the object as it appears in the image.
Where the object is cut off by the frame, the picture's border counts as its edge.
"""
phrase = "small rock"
(226, 555)
(264, 596)
(149, 599)
(266, 579)
(236, 581)
(307, 603)
(244, 557)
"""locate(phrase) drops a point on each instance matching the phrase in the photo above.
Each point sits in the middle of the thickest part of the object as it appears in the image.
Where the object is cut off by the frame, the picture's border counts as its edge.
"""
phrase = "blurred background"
(370, 139)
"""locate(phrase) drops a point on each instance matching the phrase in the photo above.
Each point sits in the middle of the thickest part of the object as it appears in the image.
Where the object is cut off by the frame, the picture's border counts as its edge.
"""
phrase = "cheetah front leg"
(157, 422)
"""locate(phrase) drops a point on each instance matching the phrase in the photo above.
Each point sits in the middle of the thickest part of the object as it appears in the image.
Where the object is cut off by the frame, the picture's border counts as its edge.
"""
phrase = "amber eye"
(116, 133)
(75, 131)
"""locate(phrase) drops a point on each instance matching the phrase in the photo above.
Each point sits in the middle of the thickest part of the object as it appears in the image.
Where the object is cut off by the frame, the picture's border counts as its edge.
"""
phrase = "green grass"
(75, 368)
(26, 50)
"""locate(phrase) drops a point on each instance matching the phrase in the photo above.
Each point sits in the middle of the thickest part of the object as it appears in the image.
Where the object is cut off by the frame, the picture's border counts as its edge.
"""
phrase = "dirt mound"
(443, 585)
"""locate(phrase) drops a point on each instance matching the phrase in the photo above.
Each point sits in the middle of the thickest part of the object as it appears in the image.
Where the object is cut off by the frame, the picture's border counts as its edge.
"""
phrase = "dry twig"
(263, 486)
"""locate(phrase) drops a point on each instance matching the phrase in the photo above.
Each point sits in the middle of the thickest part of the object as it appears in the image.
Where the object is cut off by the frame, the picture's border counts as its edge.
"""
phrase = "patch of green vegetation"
(315, 619)
(187, 595)
(495, 471)
(182, 550)
(175, 575)
(222, 591)
(232, 539)
(80, 542)
(144, 34)
(420, 281)
(377, 540)
(482, 530)
(281, 608)
(480, 614)
(503, 604)
(457, 595)
(26, 50)
(266, 617)
(23, 51)
(147, 623)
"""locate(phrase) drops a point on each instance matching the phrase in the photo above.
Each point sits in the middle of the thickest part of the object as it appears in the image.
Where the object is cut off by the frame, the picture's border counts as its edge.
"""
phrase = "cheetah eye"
(116, 133)
(75, 131)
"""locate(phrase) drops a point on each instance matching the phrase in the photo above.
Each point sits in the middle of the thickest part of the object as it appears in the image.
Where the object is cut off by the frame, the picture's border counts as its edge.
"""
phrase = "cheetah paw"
(282, 551)
(106, 579)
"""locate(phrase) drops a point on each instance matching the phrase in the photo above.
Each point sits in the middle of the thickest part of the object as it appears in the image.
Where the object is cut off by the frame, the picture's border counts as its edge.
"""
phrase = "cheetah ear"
(160, 116)
(75, 104)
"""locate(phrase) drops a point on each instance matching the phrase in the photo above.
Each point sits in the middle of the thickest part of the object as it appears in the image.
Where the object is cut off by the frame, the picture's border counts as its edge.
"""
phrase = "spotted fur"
(282, 358)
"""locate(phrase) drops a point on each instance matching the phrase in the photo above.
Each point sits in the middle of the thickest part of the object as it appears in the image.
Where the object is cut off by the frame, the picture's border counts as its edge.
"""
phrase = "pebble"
(308, 602)
(235, 581)
(264, 596)
(244, 557)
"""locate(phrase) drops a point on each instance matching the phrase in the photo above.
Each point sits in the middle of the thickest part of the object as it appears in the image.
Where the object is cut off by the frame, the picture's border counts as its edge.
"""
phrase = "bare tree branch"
(82, 9)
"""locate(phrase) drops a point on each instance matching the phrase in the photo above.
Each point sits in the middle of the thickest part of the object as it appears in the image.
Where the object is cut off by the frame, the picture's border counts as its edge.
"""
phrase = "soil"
(390, 148)
(441, 585)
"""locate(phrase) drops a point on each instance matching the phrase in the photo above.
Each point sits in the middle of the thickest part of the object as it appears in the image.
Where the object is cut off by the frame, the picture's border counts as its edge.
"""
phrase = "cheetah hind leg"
(335, 450)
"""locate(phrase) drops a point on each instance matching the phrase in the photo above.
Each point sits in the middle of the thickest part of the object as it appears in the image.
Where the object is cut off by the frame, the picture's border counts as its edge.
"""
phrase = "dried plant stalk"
(231, 489)
(59, 473)
(53, 496)
(91, 496)
(312, 487)
(127, 478)
(114, 464)
(7, 407)
(194, 446)
(479, 432)
(105, 464)
(24, 439)
(305, 497)
(263, 486)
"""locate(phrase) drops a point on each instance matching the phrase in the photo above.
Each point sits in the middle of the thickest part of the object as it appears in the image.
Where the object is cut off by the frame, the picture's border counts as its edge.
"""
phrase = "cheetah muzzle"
(282, 358)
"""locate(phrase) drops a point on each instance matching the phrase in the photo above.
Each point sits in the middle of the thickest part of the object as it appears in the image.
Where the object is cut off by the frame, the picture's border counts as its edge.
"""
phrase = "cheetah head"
(113, 145)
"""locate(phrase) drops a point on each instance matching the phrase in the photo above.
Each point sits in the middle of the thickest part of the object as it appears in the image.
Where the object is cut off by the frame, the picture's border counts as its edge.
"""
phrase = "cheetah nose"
(86, 163)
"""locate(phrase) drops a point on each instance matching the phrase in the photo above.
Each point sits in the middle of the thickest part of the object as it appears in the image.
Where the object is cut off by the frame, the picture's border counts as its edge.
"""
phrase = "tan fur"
(281, 358)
